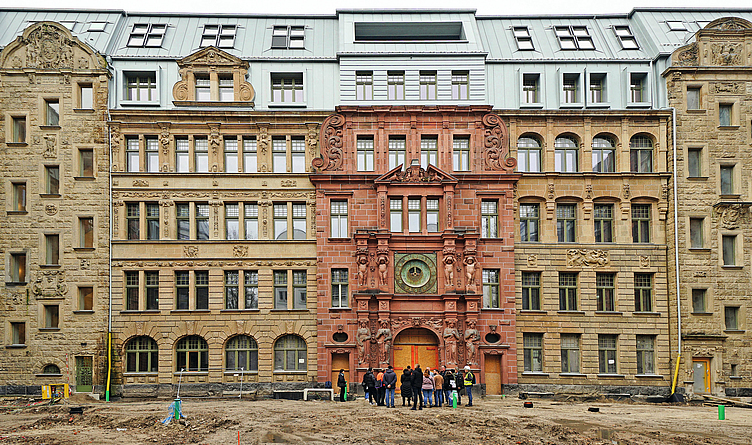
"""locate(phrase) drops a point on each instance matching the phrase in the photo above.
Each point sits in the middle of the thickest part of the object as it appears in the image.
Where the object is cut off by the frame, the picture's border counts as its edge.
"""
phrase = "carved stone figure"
(472, 337)
(470, 272)
(384, 339)
(383, 262)
(449, 271)
(363, 271)
(587, 258)
(363, 339)
(451, 336)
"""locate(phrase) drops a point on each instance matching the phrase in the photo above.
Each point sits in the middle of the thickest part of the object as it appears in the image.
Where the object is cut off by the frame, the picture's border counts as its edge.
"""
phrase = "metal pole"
(180, 379)
(240, 396)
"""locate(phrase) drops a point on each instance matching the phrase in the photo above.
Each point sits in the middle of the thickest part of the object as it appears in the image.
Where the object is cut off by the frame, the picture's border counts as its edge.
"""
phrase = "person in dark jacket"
(416, 381)
(450, 385)
(342, 384)
(380, 389)
(406, 388)
(459, 377)
(369, 385)
(390, 383)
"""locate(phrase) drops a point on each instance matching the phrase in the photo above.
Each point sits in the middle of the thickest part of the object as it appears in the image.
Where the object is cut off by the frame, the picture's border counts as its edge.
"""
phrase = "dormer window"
(626, 38)
(203, 88)
(288, 37)
(149, 35)
(676, 25)
(212, 75)
(97, 26)
(221, 36)
(523, 38)
(574, 37)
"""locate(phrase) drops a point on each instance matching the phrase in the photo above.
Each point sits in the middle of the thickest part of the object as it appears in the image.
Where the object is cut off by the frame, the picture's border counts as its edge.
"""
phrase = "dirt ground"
(489, 421)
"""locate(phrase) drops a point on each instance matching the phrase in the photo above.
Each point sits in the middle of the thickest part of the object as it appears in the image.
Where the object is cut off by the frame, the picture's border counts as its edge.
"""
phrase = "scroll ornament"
(496, 144)
(331, 140)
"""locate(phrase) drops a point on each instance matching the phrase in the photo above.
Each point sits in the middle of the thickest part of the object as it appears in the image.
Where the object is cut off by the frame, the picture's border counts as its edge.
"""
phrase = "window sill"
(16, 144)
(225, 311)
(728, 127)
(83, 110)
(49, 195)
(732, 267)
(532, 311)
(613, 376)
(696, 111)
(734, 331)
(339, 309)
(49, 329)
(608, 313)
(190, 311)
(85, 178)
(493, 309)
(132, 103)
(735, 377)
(84, 311)
(638, 105)
(532, 105)
(339, 240)
(50, 266)
(571, 312)
(49, 127)
(15, 346)
(730, 196)
(16, 212)
(699, 250)
(702, 314)
(282, 371)
(288, 105)
(190, 373)
(599, 105)
(290, 310)
(241, 372)
(573, 105)
(572, 374)
(48, 375)
(150, 311)
(15, 283)
(212, 103)
(697, 178)
(534, 374)
(648, 376)
(141, 374)
(647, 313)
(84, 249)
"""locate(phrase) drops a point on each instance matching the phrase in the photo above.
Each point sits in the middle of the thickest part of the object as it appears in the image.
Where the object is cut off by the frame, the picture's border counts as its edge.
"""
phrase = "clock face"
(415, 273)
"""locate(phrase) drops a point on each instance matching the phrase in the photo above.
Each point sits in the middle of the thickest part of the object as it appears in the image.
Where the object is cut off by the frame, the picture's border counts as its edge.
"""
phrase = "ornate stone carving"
(140, 183)
(331, 140)
(48, 47)
(587, 258)
(362, 261)
(384, 340)
(213, 59)
(116, 138)
(451, 336)
(728, 87)
(415, 173)
(262, 139)
(729, 215)
(589, 191)
(383, 262)
(449, 260)
(363, 339)
(50, 209)
(687, 56)
(85, 264)
(532, 260)
(472, 338)
(729, 24)
(551, 191)
(164, 137)
(470, 264)
(626, 190)
(645, 261)
(726, 54)
(312, 139)
(49, 284)
(50, 146)
(165, 204)
(496, 143)
(289, 183)
(240, 251)
(190, 251)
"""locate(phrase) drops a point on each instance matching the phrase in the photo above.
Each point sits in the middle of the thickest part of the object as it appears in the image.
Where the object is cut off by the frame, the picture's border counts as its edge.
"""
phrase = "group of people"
(380, 387)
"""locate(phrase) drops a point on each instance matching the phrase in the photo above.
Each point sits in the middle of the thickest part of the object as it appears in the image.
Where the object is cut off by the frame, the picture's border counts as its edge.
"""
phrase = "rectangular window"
(489, 213)
(694, 162)
(574, 37)
(287, 88)
(183, 215)
(149, 35)
(604, 289)
(86, 162)
(693, 98)
(288, 37)
(19, 129)
(52, 249)
(251, 220)
(365, 154)
(132, 218)
(132, 154)
(280, 289)
(202, 289)
(413, 215)
(152, 155)
(529, 222)
(152, 291)
(523, 38)
(299, 284)
(232, 286)
(604, 223)
(643, 292)
(570, 84)
(299, 221)
(531, 88)
(85, 97)
(696, 238)
(18, 267)
(18, 333)
(731, 318)
(625, 36)
(729, 250)
(52, 179)
(428, 85)
(597, 88)
(152, 221)
(297, 155)
(339, 219)
(567, 291)
(279, 155)
(491, 288)
(86, 232)
(566, 155)
(339, 288)
(603, 156)
(396, 151)
(395, 215)
(202, 221)
(250, 289)
(432, 215)
(280, 221)
(364, 85)
(645, 354)
(429, 151)
(51, 316)
(201, 154)
(19, 197)
(460, 85)
(607, 354)
(461, 154)
(566, 222)
(395, 85)
(232, 221)
(641, 223)
(52, 108)
(221, 36)
(724, 115)
(182, 156)
(141, 87)
(699, 303)
(231, 155)
(727, 180)
(529, 155)
(641, 154)
(182, 289)
(533, 352)
(570, 353)
(531, 291)
(250, 155)
(637, 83)
(131, 291)
(85, 298)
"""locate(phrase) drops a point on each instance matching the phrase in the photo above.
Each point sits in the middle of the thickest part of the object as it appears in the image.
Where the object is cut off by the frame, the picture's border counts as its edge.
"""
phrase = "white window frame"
(625, 35)
(578, 35)
(523, 38)
(146, 32)
(219, 35)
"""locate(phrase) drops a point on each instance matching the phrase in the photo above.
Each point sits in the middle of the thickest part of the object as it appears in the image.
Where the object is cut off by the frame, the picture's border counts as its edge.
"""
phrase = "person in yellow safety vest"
(469, 381)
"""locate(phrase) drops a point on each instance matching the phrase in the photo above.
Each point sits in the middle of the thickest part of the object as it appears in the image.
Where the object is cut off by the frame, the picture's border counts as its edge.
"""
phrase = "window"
(604, 155)
(250, 155)
(141, 355)
(19, 129)
(250, 289)
(396, 151)
(339, 219)
(51, 316)
(625, 36)
(52, 108)
(427, 85)
(607, 354)
(528, 154)
(152, 291)
(523, 38)
(131, 291)
(132, 155)
(232, 221)
(201, 154)
(529, 222)
(567, 291)
(565, 155)
(141, 87)
(251, 221)
(280, 221)
(152, 155)
(231, 155)
(182, 156)
(297, 154)
(52, 179)
(279, 155)
(699, 302)
(86, 162)
(201, 289)
(132, 218)
(232, 286)
(597, 88)
(280, 289)
(570, 353)
(432, 215)
(149, 35)
(734, 370)
(570, 88)
(641, 223)
(429, 151)
(287, 88)
(241, 354)
(182, 289)
(461, 154)
(51, 370)
(693, 98)
(413, 215)
(221, 36)
(643, 292)
(395, 85)
(604, 288)
(299, 285)
(637, 82)
(531, 291)
(724, 115)
(460, 85)
(365, 154)
(727, 180)
(489, 214)
(694, 162)
(299, 221)
(395, 215)
(645, 354)
(19, 196)
(52, 249)
(604, 223)
(696, 238)
(533, 352)
(288, 37)
(531, 88)
(573, 37)
(152, 221)
(566, 221)
(86, 232)
(641, 154)
(85, 97)
(731, 318)
(491, 288)
(85, 298)
(202, 221)
(18, 267)
(676, 25)
(192, 354)
(18, 333)
(339, 288)
(364, 85)
(729, 250)
(290, 354)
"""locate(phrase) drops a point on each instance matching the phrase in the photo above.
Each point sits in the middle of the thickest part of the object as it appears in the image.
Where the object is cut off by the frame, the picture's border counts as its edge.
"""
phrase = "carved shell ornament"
(496, 144)
(331, 139)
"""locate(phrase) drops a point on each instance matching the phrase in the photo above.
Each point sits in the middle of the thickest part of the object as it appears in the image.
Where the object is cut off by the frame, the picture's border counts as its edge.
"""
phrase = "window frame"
(645, 351)
(218, 37)
(623, 38)
(523, 38)
(52, 182)
(605, 291)
(18, 333)
(363, 85)
(292, 34)
(643, 292)
(569, 33)
(395, 85)
(530, 94)
(52, 112)
(641, 223)
(489, 214)
(639, 88)
(564, 233)
(731, 318)
(365, 153)
(637, 154)
(340, 288)
(491, 285)
(17, 273)
(429, 151)
(18, 196)
(136, 84)
(568, 289)
(460, 84)
(532, 345)
(565, 154)
(461, 153)
(184, 349)
(531, 291)
(52, 251)
(603, 153)
(427, 83)
(608, 352)
(697, 294)
(135, 351)
(147, 34)
(527, 235)
(397, 151)
(603, 222)
(570, 354)
(86, 232)
(19, 129)
(284, 83)
(338, 218)
(283, 346)
(235, 349)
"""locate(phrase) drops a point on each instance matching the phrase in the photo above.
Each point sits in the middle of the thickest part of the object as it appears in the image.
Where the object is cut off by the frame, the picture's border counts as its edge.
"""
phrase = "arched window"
(141, 355)
(290, 354)
(241, 352)
(192, 354)
(565, 155)
(51, 369)
(641, 154)
(604, 154)
(528, 154)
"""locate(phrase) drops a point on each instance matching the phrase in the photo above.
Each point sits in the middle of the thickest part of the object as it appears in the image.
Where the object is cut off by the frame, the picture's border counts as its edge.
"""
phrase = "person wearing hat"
(468, 382)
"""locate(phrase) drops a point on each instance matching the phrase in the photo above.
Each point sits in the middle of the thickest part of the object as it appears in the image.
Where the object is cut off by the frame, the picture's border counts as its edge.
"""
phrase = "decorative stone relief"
(190, 251)
(140, 183)
(289, 183)
(644, 261)
(47, 47)
(362, 261)
(587, 258)
(532, 260)
(331, 140)
(451, 336)
(165, 204)
(449, 260)
(496, 143)
(414, 273)
(50, 209)
(472, 338)
(85, 264)
(50, 146)
(728, 87)
(49, 284)
(312, 139)
(470, 264)
(384, 340)
(726, 54)
(240, 251)
(729, 215)
(415, 173)
(363, 340)
(688, 56)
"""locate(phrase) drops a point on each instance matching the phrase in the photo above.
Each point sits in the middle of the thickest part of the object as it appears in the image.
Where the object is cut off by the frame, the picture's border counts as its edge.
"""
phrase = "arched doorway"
(416, 345)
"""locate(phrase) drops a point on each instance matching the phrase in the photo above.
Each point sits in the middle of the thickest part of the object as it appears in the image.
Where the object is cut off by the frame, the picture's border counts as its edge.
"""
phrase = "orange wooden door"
(492, 374)
(340, 361)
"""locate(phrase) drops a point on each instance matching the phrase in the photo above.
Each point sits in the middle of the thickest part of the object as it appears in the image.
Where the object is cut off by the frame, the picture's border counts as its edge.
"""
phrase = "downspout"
(109, 265)
(676, 252)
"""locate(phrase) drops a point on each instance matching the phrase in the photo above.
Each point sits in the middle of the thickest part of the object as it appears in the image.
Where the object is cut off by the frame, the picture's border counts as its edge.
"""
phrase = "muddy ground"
(489, 421)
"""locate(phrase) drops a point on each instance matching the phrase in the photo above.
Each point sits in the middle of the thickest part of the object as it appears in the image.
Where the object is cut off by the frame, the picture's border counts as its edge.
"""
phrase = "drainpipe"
(109, 265)
(676, 252)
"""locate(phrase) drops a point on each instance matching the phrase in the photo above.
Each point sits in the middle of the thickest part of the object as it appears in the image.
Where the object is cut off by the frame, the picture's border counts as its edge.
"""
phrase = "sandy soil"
(489, 421)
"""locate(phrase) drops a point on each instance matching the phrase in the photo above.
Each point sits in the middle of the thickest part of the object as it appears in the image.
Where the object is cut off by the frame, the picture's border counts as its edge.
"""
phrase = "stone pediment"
(729, 24)
(213, 63)
(212, 56)
(49, 46)
(416, 174)
(723, 42)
